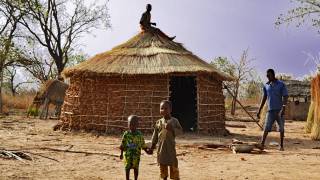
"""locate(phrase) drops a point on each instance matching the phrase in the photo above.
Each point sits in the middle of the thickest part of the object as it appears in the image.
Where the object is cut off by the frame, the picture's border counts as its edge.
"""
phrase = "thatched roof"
(298, 88)
(145, 53)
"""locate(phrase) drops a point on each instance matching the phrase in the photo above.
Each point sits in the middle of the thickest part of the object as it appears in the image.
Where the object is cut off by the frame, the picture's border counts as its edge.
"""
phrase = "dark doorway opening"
(183, 95)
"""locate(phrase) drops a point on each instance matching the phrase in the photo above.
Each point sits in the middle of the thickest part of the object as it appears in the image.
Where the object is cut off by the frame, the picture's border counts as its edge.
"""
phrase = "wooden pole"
(254, 120)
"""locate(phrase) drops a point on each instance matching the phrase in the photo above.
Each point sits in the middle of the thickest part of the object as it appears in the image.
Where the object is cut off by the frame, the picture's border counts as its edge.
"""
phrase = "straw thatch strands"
(134, 77)
(146, 53)
(310, 118)
(313, 120)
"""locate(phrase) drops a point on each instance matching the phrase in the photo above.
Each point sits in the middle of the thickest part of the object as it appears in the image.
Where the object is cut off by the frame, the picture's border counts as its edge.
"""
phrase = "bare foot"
(172, 38)
(281, 149)
(260, 146)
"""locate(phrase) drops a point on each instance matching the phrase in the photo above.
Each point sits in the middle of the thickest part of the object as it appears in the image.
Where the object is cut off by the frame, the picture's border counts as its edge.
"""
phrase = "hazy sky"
(212, 28)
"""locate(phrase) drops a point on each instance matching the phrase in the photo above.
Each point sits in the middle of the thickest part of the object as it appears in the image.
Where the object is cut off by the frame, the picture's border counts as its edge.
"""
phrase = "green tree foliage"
(77, 58)
(224, 65)
(252, 89)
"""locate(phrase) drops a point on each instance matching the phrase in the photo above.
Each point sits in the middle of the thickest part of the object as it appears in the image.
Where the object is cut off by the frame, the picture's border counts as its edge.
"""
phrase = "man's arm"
(285, 100)
(263, 101)
(284, 93)
(284, 103)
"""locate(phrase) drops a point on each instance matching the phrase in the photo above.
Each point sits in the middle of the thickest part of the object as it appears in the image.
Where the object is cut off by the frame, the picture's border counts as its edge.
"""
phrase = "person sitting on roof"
(147, 25)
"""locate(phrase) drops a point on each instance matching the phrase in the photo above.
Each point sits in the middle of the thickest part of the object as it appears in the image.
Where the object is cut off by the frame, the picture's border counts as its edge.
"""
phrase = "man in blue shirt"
(276, 94)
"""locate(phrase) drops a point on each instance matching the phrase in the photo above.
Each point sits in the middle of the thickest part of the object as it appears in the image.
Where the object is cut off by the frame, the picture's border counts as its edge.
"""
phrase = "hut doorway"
(183, 93)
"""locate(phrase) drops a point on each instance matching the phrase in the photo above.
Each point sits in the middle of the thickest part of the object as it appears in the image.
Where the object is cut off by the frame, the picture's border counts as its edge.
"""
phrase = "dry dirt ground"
(298, 161)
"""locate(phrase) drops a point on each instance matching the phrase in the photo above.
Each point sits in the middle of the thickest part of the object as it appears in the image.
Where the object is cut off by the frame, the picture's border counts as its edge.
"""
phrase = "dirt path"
(298, 161)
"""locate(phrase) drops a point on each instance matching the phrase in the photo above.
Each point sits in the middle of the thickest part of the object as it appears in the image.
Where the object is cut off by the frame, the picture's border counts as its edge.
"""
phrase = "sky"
(213, 28)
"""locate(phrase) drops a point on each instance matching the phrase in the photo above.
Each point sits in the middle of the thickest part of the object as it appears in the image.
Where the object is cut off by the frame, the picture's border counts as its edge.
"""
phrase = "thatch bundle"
(313, 120)
(310, 118)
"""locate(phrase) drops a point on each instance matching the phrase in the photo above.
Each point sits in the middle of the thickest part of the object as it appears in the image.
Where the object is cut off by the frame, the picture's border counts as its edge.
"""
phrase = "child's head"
(165, 108)
(133, 121)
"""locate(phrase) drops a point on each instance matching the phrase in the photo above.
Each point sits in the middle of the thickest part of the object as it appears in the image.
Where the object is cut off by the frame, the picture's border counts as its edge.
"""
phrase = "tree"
(224, 65)
(241, 71)
(58, 24)
(77, 58)
(253, 87)
(9, 18)
(306, 11)
(42, 67)
(10, 77)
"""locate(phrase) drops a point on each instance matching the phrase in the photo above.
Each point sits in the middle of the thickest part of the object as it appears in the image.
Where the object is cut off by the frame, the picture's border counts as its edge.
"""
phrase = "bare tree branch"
(306, 11)
(57, 29)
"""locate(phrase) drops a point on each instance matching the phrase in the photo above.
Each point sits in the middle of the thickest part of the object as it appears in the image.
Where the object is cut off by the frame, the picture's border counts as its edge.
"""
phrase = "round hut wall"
(103, 103)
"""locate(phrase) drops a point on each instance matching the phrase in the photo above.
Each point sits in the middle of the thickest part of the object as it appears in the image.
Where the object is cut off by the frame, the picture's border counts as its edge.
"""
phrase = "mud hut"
(313, 120)
(298, 101)
(134, 77)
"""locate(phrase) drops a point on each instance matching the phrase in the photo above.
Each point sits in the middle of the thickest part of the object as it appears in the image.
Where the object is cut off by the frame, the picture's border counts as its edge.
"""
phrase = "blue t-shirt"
(275, 92)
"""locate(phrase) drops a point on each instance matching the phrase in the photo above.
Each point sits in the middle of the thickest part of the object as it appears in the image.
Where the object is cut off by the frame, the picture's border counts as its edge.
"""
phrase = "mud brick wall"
(104, 103)
(211, 105)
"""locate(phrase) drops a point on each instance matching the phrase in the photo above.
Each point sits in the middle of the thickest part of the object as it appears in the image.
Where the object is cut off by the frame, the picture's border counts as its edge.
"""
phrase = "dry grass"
(310, 118)
(253, 102)
(313, 120)
(20, 102)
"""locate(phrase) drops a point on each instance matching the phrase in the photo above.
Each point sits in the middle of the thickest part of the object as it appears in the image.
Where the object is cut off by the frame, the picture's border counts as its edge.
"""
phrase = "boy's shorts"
(174, 172)
(273, 115)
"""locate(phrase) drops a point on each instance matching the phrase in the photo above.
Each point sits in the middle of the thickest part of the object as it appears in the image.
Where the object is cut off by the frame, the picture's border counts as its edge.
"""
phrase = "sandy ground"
(298, 161)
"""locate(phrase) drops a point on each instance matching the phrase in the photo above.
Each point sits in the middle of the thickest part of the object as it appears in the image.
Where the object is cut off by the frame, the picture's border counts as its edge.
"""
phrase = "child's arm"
(174, 126)
(123, 145)
(154, 139)
(121, 149)
(177, 128)
(144, 146)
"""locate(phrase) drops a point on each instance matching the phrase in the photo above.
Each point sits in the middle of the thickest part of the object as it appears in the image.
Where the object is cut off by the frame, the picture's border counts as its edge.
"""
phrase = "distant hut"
(299, 99)
(134, 77)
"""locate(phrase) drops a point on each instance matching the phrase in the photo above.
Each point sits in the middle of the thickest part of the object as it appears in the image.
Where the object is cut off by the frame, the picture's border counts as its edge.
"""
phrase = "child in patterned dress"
(132, 143)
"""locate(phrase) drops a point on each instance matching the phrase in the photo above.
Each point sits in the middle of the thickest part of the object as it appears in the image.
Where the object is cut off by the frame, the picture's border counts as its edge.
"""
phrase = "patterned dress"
(132, 143)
